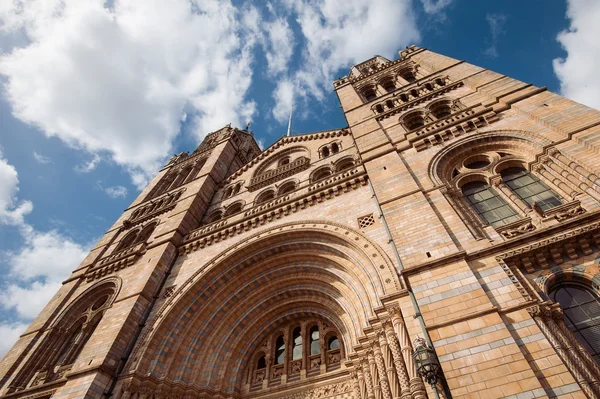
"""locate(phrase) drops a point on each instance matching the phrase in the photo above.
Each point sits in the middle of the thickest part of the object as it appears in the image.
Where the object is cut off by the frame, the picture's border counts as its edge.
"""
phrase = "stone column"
(375, 377)
(368, 379)
(417, 387)
(509, 196)
(542, 316)
(389, 364)
(398, 361)
(355, 384)
(384, 383)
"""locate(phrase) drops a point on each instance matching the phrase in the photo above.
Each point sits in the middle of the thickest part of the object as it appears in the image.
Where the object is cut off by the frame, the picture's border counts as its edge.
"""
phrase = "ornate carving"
(295, 366)
(153, 208)
(516, 229)
(279, 173)
(323, 392)
(115, 262)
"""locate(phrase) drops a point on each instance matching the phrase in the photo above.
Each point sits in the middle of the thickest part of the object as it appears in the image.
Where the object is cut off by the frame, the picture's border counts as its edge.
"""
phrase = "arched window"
(128, 240)
(265, 196)
(234, 208)
(286, 188)
(261, 363)
(146, 233)
(581, 307)
(335, 148)
(388, 85)
(315, 347)
(414, 120)
(325, 152)
(333, 343)
(216, 215)
(283, 161)
(529, 188)
(321, 174)
(488, 204)
(279, 350)
(297, 344)
(441, 109)
(228, 192)
(346, 163)
(408, 75)
(369, 93)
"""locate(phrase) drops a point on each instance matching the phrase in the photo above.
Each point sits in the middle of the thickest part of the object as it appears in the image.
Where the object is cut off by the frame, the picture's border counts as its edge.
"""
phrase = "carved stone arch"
(214, 215)
(340, 282)
(547, 279)
(234, 207)
(265, 195)
(287, 186)
(128, 239)
(321, 173)
(272, 161)
(344, 163)
(414, 119)
(518, 142)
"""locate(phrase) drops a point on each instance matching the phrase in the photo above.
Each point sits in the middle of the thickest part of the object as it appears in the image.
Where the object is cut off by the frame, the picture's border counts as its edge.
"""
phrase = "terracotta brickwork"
(453, 207)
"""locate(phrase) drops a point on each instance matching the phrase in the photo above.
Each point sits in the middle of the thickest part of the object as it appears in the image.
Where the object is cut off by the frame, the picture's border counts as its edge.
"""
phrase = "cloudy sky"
(95, 95)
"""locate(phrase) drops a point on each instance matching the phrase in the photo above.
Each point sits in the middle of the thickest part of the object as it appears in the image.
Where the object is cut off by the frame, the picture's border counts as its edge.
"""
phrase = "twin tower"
(445, 243)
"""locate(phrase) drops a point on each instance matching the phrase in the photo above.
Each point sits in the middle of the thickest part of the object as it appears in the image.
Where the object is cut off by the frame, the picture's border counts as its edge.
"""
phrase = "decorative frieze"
(115, 262)
(271, 176)
(153, 208)
(564, 211)
(516, 229)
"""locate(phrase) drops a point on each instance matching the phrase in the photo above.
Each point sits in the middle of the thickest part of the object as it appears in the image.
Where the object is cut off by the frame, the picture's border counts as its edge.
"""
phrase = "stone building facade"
(459, 205)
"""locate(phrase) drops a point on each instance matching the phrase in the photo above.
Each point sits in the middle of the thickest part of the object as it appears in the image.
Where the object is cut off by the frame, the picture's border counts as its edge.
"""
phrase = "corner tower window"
(581, 306)
(488, 204)
(279, 350)
(529, 188)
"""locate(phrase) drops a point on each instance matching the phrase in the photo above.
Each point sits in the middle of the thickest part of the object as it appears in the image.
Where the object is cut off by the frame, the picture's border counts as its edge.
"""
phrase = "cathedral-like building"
(446, 243)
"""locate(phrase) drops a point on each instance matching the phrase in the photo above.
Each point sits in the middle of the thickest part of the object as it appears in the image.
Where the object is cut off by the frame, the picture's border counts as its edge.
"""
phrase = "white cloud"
(116, 191)
(35, 270)
(578, 72)
(435, 6)
(117, 78)
(10, 332)
(340, 33)
(88, 166)
(496, 23)
(11, 212)
(41, 159)
(284, 99)
(281, 45)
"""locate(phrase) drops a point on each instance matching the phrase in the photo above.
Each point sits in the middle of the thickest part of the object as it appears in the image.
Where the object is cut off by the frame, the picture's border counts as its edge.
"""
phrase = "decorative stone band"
(115, 262)
(283, 141)
(556, 248)
(516, 229)
(154, 208)
(194, 241)
(184, 158)
(401, 107)
(281, 172)
(455, 125)
(565, 211)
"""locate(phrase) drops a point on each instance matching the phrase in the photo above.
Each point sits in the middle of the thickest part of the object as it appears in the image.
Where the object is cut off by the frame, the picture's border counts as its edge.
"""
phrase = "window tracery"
(176, 178)
(581, 308)
(310, 346)
(134, 237)
(330, 149)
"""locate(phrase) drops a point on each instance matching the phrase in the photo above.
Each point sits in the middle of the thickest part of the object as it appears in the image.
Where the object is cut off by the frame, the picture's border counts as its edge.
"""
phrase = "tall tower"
(454, 221)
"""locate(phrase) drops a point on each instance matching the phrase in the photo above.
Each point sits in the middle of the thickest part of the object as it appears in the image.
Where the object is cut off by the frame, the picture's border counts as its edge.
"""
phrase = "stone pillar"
(542, 316)
(389, 364)
(417, 387)
(368, 379)
(399, 365)
(355, 385)
(384, 383)
(509, 196)
(375, 377)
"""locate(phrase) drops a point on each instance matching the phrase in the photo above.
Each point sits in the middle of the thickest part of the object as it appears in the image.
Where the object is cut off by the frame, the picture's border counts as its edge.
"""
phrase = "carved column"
(355, 384)
(509, 195)
(368, 379)
(389, 365)
(583, 354)
(384, 383)
(542, 316)
(542, 170)
(375, 377)
(417, 387)
(398, 361)
(574, 166)
(361, 382)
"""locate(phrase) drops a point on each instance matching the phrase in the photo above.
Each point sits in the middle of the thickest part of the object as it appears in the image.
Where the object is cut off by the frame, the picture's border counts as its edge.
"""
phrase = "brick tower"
(457, 216)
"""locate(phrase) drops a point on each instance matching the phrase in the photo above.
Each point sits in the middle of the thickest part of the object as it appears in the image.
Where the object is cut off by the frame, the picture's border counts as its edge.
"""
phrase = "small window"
(335, 148)
(379, 108)
(369, 93)
(388, 85)
(128, 240)
(325, 152)
(488, 204)
(261, 363)
(296, 344)
(287, 188)
(441, 110)
(408, 75)
(284, 161)
(389, 104)
(322, 174)
(333, 343)
(414, 121)
(315, 347)
(214, 217)
(279, 350)
(529, 188)
(265, 196)
(146, 233)
(233, 209)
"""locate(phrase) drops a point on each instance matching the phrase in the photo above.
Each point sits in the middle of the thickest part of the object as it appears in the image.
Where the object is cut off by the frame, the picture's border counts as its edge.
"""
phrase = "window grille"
(366, 221)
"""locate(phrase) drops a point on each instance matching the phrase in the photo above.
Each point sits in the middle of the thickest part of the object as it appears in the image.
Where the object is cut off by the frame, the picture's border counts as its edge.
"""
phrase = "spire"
(290, 121)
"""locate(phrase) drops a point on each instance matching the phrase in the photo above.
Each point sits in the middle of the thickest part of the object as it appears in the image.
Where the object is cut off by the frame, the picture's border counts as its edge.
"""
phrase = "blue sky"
(95, 99)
